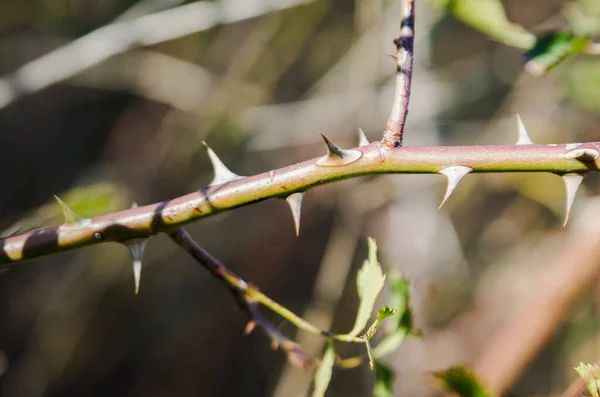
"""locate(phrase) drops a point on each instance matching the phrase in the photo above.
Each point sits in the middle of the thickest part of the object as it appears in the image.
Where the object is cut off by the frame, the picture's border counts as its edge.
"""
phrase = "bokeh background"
(259, 90)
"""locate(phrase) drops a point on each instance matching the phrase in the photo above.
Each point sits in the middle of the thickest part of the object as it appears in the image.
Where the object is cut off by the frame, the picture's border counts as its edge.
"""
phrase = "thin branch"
(166, 216)
(239, 288)
(249, 298)
(394, 132)
(118, 37)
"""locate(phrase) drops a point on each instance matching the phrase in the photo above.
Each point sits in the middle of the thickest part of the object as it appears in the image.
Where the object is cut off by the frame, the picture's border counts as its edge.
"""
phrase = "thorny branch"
(571, 161)
(394, 131)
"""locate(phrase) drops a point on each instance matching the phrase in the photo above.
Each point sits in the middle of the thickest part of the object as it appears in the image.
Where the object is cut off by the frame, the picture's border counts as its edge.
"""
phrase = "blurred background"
(120, 114)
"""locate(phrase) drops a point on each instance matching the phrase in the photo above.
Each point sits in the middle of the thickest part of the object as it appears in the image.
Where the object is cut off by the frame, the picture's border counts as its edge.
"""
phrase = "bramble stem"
(168, 215)
(394, 131)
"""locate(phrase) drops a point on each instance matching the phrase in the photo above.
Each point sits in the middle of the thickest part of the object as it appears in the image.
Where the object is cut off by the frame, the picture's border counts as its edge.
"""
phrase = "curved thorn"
(523, 135)
(336, 156)
(583, 154)
(454, 174)
(572, 182)
(222, 173)
(136, 248)
(362, 138)
(295, 202)
(71, 218)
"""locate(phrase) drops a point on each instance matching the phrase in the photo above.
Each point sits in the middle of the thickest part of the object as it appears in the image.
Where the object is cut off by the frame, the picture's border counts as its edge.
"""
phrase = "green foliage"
(369, 281)
(463, 382)
(382, 314)
(552, 48)
(323, 373)
(75, 204)
(488, 16)
(399, 299)
(590, 373)
(384, 380)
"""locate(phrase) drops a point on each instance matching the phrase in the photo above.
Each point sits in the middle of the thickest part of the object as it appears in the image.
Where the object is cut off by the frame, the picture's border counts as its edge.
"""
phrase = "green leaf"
(488, 17)
(382, 314)
(552, 48)
(463, 382)
(323, 373)
(384, 380)
(590, 373)
(85, 201)
(369, 281)
(400, 299)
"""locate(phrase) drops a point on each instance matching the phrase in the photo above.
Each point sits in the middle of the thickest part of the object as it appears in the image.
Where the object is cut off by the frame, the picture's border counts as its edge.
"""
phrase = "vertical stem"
(394, 131)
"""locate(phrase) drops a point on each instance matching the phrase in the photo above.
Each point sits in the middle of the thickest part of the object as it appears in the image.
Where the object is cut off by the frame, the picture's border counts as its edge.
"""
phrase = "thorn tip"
(454, 174)
(71, 218)
(362, 138)
(572, 182)
(136, 248)
(222, 173)
(295, 202)
(523, 135)
(336, 156)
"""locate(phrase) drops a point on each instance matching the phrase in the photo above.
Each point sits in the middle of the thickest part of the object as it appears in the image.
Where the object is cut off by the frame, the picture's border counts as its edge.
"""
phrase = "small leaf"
(369, 282)
(323, 373)
(552, 48)
(400, 299)
(590, 373)
(488, 16)
(382, 314)
(463, 382)
(384, 380)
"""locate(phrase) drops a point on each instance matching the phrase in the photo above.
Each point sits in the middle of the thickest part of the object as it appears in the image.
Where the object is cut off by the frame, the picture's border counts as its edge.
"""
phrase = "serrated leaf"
(369, 282)
(463, 382)
(551, 48)
(323, 373)
(590, 373)
(489, 17)
(400, 300)
(384, 380)
(382, 314)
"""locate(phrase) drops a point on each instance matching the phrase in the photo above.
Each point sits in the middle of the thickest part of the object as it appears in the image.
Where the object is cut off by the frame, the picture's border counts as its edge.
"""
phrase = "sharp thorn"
(572, 182)
(136, 248)
(295, 203)
(454, 174)
(71, 218)
(336, 156)
(362, 138)
(222, 173)
(523, 135)
(394, 56)
(585, 154)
